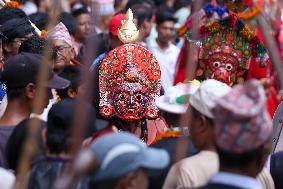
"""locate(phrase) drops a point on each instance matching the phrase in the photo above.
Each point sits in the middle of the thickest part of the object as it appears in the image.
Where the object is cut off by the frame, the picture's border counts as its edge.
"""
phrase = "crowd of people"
(140, 94)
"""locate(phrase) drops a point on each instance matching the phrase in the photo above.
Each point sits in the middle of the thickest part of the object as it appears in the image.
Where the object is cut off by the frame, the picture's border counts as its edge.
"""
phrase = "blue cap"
(118, 154)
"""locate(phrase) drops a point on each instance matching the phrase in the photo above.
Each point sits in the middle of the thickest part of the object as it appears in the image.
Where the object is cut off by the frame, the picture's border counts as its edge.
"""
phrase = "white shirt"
(197, 170)
(167, 60)
(192, 172)
(240, 181)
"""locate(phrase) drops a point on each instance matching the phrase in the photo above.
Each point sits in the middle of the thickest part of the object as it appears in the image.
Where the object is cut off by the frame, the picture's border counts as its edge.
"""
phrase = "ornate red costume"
(230, 52)
(129, 84)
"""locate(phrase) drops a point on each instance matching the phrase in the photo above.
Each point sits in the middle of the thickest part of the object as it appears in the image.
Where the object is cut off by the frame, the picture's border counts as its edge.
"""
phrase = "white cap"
(7, 179)
(174, 99)
(203, 100)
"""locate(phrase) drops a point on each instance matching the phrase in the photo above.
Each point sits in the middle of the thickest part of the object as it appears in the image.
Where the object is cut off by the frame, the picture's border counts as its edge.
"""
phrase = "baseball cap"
(115, 23)
(23, 69)
(176, 98)
(61, 115)
(242, 123)
(203, 100)
(120, 153)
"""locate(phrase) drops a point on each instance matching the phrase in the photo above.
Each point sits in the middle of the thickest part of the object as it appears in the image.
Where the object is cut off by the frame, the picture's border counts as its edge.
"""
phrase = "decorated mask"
(129, 83)
(129, 78)
(227, 48)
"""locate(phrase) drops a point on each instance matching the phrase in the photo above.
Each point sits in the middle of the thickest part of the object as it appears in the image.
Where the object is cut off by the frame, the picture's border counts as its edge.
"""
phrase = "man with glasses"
(63, 51)
(15, 31)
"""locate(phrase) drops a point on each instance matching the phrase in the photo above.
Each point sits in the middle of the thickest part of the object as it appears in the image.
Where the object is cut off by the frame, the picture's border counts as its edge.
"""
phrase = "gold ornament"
(128, 33)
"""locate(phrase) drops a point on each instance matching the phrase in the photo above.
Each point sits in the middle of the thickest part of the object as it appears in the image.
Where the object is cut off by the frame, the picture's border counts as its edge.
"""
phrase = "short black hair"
(15, 143)
(34, 44)
(80, 11)
(40, 20)
(71, 73)
(15, 93)
(58, 138)
(69, 21)
(142, 13)
(233, 160)
(8, 13)
(163, 15)
(16, 28)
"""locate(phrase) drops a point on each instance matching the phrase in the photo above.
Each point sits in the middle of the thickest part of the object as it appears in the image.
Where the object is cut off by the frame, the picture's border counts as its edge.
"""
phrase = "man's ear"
(30, 91)
(203, 123)
(73, 52)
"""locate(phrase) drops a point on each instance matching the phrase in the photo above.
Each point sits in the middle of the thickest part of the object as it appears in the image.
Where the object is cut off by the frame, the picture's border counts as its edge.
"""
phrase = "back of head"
(60, 123)
(16, 28)
(9, 13)
(69, 21)
(142, 13)
(243, 126)
(17, 139)
(34, 44)
(40, 20)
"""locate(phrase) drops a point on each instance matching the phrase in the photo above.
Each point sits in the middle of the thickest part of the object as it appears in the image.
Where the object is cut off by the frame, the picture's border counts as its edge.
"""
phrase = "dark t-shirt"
(5, 132)
(45, 172)
(276, 169)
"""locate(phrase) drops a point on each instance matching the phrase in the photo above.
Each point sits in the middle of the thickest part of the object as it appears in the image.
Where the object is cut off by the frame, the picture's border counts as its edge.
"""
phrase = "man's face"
(83, 26)
(62, 54)
(165, 31)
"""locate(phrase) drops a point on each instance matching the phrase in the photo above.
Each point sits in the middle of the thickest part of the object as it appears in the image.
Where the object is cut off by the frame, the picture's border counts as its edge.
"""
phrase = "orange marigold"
(13, 4)
(43, 34)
